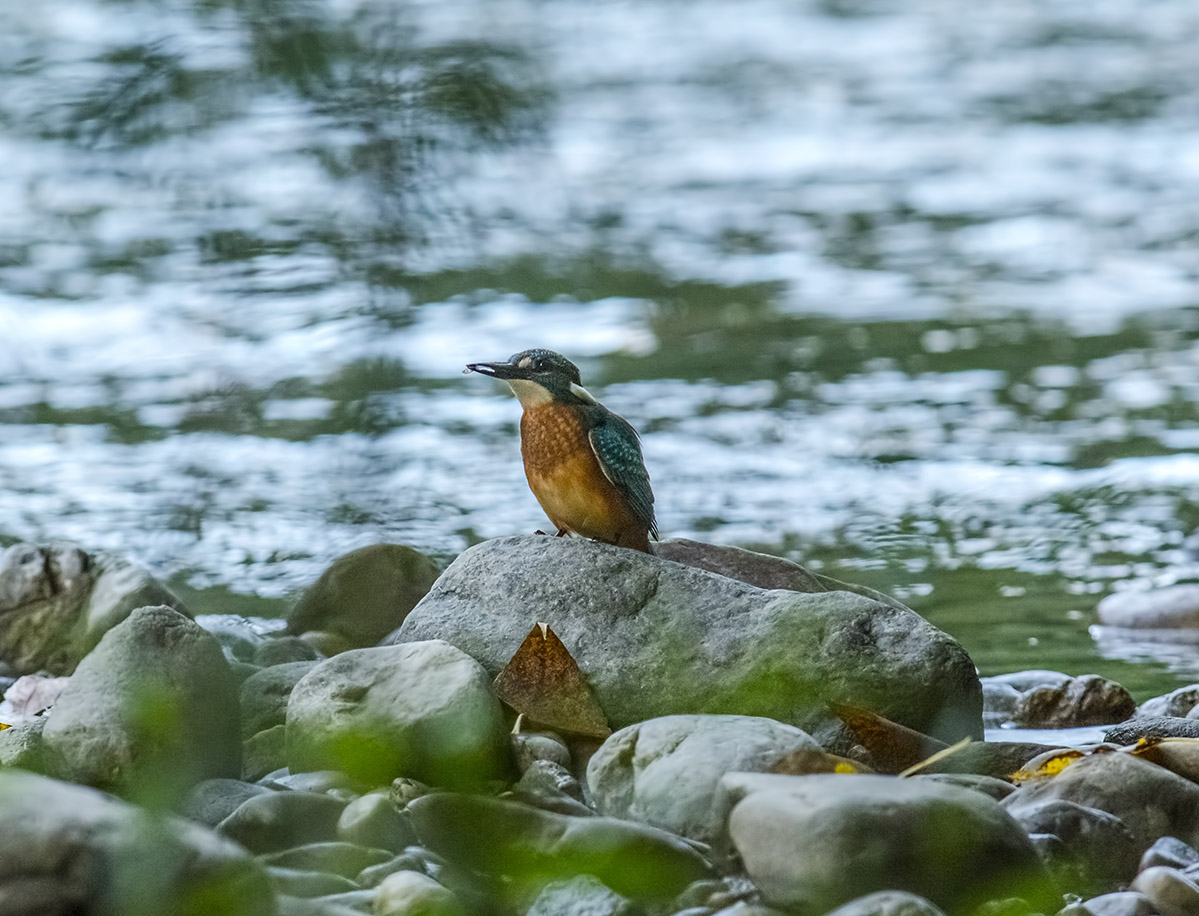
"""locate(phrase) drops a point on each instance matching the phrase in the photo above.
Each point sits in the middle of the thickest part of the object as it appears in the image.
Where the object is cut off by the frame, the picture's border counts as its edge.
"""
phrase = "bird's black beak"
(503, 370)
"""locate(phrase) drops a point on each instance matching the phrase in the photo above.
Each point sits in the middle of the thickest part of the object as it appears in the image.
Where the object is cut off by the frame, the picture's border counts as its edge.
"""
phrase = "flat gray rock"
(1134, 730)
(152, 708)
(657, 638)
(64, 848)
(666, 771)
(817, 842)
(57, 600)
(424, 710)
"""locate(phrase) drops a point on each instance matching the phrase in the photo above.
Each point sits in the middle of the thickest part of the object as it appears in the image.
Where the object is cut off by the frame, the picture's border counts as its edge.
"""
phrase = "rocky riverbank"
(762, 723)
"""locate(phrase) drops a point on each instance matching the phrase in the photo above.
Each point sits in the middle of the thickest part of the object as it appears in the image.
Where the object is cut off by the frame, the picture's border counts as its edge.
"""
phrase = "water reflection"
(906, 294)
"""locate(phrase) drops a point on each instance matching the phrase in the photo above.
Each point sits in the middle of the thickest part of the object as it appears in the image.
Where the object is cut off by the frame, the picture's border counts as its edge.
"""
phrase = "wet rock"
(508, 838)
(282, 650)
(405, 861)
(281, 820)
(999, 702)
(300, 882)
(994, 788)
(424, 710)
(22, 746)
(582, 895)
(1170, 891)
(1097, 851)
(529, 747)
(410, 892)
(327, 644)
(1120, 903)
(660, 638)
(152, 707)
(264, 753)
(333, 782)
(1151, 801)
(57, 600)
(888, 903)
(1085, 700)
(551, 787)
(666, 771)
(1169, 851)
(238, 636)
(817, 842)
(1176, 703)
(1172, 607)
(287, 905)
(64, 848)
(264, 695)
(758, 569)
(335, 858)
(213, 800)
(365, 594)
(373, 820)
(1152, 727)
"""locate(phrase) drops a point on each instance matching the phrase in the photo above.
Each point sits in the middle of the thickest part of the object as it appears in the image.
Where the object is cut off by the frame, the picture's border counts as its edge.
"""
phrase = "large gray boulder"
(666, 772)
(423, 710)
(71, 849)
(812, 843)
(365, 594)
(657, 638)
(153, 708)
(56, 601)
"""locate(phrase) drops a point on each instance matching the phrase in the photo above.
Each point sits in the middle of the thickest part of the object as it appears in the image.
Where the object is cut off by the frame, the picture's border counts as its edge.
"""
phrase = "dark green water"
(907, 295)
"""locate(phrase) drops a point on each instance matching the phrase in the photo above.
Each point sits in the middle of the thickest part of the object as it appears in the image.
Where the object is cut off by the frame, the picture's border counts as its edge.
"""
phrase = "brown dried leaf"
(893, 747)
(543, 682)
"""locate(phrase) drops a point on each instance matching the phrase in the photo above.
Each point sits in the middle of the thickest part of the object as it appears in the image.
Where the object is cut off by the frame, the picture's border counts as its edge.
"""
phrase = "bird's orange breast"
(565, 475)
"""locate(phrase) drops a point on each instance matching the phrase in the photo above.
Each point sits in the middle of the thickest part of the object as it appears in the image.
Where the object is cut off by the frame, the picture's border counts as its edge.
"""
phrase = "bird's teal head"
(537, 377)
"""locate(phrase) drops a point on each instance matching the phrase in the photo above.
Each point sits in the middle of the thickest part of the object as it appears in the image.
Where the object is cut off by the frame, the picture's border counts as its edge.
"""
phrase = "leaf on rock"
(1046, 765)
(4, 725)
(805, 761)
(543, 682)
(893, 747)
(1178, 755)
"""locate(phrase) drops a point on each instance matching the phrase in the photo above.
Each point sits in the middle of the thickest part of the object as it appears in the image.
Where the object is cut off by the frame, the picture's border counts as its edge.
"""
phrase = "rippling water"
(906, 293)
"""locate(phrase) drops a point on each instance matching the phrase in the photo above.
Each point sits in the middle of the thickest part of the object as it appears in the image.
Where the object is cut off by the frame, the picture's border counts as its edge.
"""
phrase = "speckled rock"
(732, 648)
(817, 842)
(581, 896)
(154, 703)
(65, 848)
(1176, 703)
(1085, 700)
(365, 594)
(1170, 891)
(424, 710)
(57, 600)
(666, 771)
(1134, 730)
(530, 747)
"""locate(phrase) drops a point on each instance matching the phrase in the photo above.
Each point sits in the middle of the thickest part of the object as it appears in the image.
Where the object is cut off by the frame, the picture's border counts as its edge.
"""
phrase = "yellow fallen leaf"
(1047, 765)
(805, 761)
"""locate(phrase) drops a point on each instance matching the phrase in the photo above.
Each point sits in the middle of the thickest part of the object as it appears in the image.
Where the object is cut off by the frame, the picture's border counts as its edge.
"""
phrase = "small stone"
(264, 696)
(1170, 891)
(1096, 851)
(888, 903)
(327, 644)
(373, 820)
(280, 820)
(365, 594)
(410, 892)
(1133, 731)
(987, 785)
(283, 650)
(1171, 852)
(1023, 681)
(405, 861)
(213, 800)
(580, 896)
(300, 882)
(288, 905)
(238, 636)
(264, 753)
(22, 746)
(999, 702)
(550, 783)
(1085, 700)
(328, 781)
(336, 858)
(528, 747)
(1172, 607)
(1177, 703)
(1120, 903)
(424, 710)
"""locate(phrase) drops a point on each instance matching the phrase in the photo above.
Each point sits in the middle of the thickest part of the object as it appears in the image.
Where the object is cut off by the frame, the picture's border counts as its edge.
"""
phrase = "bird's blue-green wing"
(618, 449)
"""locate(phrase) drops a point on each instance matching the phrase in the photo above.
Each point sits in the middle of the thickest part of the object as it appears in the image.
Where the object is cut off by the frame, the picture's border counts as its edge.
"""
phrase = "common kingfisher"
(582, 461)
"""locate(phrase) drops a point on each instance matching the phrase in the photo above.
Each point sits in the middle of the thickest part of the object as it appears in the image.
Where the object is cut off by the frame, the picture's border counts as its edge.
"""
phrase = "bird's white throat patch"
(530, 394)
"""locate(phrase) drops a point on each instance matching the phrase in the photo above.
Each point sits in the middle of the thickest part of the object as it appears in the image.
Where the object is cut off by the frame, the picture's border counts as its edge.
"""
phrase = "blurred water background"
(907, 291)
